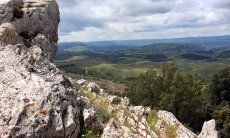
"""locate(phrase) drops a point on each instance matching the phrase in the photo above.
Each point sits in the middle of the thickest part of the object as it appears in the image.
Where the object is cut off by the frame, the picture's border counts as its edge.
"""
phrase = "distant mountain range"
(67, 45)
(209, 41)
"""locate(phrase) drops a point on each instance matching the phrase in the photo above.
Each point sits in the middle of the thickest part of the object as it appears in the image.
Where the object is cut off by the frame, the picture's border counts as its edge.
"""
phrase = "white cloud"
(221, 4)
(3, 1)
(91, 20)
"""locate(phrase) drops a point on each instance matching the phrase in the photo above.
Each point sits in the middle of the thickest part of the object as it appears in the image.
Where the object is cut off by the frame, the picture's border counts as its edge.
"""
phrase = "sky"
(98, 20)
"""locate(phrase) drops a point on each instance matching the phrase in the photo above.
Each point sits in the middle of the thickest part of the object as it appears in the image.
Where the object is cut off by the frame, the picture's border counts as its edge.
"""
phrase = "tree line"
(187, 97)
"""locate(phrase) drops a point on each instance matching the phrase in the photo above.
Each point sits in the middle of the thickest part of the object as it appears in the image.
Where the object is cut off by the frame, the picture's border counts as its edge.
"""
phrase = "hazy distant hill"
(211, 42)
(66, 45)
(173, 47)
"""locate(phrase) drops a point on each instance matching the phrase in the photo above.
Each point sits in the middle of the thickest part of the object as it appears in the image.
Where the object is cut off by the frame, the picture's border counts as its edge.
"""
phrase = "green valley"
(122, 65)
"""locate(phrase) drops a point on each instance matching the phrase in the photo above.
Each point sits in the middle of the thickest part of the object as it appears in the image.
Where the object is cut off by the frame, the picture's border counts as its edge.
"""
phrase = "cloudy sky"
(92, 20)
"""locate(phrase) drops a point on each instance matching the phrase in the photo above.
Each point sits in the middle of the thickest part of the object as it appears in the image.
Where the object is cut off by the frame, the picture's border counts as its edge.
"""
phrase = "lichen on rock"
(36, 100)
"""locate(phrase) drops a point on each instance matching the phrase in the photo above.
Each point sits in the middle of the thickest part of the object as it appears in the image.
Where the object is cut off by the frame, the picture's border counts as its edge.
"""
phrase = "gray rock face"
(209, 130)
(168, 118)
(36, 100)
(92, 86)
(89, 115)
(30, 22)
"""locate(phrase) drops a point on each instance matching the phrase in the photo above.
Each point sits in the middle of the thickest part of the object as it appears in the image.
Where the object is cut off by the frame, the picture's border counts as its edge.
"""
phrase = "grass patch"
(87, 133)
(99, 106)
(126, 124)
(102, 66)
(102, 114)
(152, 120)
(77, 49)
(171, 131)
(73, 58)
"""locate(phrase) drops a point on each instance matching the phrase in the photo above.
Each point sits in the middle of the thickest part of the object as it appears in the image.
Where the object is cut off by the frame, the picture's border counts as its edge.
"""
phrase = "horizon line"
(145, 39)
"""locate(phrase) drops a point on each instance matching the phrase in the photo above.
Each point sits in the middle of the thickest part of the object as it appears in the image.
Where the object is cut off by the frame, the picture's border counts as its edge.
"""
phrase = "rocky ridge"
(37, 100)
(136, 121)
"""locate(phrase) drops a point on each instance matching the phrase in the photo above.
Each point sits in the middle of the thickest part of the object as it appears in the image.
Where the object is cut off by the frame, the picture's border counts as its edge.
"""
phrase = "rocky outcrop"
(30, 22)
(128, 121)
(209, 130)
(37, 100)
(168, 118)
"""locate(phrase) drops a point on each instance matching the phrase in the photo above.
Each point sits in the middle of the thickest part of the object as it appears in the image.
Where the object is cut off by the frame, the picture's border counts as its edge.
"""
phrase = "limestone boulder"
(209, 130)
(92, 86)
(30, 22)
(179, 129)
(89, 115)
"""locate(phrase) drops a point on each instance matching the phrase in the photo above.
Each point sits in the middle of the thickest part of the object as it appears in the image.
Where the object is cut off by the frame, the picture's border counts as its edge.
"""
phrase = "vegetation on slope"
(172, 91)
(77, 48)
(220, 98)
(123, 65)
(185, 96)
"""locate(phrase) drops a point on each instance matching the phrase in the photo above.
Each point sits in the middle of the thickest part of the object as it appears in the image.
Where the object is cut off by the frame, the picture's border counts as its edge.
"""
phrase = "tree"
(173, 91)
(181, 94)
(143, 90)
(220, 87)
(220, 91)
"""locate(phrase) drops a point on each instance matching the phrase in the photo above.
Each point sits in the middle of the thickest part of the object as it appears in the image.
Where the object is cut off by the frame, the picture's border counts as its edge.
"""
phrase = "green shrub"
(102, 114)
(170, 90)
(152, 120)
(220, 90)
(87, 133)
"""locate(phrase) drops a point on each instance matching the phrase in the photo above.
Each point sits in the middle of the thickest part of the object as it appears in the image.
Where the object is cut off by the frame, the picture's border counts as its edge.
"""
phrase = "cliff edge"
(36, 100)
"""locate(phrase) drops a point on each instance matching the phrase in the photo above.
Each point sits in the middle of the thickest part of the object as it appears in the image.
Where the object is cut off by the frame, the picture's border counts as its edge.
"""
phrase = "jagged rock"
(81, 82)
(8, 34)
(71, 124)
(114, 100)
(30, 22)
(35, 98)
(180, 130)
(89, 115)
(101, 91)
(138, 110)
(90, 120)
(131, 121)
(92, 86)
(209, 130)
(113, 130)
(124, 102)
